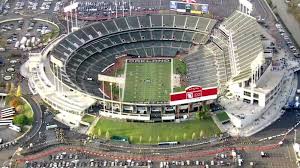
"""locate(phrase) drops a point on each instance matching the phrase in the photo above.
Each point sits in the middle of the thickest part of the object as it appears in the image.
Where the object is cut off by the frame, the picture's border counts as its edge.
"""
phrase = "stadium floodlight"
(116, 4)
(123, 7)
(71, 7)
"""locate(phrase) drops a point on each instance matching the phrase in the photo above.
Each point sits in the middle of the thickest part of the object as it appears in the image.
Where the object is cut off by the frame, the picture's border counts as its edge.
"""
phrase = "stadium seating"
(247, 46)
(94, 47)
(201, 68)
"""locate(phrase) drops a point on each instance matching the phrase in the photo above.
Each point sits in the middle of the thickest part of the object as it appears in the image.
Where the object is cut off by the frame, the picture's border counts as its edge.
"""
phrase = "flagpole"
(116, 8)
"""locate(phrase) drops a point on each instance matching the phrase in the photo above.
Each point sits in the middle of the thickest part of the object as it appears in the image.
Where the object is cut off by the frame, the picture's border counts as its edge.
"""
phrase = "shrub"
(21, 120)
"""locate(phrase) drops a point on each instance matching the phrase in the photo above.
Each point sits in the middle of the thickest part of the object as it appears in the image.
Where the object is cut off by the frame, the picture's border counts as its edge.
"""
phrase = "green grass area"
(179, 67)
(152, 133)
(28, 111)
(147, 82)
(51, 35)
(222, 116)
(179, 89)
(88, 118)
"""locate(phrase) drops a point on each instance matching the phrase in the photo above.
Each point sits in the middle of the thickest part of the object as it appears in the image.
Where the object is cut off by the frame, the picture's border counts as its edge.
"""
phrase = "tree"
(7, 87)
(201, 134)
(19, 91)
(141, 138)
(21, 120)
(176, 137)
(193, 136)
(14, 102)
(12, 89)
(158, 139)
(131, 138)
(107, 136)
(19, 108)
(150, 140)
(184, 136)
(99, 132)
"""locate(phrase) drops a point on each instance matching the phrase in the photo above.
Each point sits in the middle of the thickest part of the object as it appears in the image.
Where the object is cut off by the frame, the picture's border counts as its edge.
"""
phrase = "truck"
(33, 41)
(27, 42)
(23, 40)
(17, 45)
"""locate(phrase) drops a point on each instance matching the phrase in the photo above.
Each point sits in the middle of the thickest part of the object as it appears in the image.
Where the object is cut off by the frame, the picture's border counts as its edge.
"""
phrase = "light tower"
(71, 13)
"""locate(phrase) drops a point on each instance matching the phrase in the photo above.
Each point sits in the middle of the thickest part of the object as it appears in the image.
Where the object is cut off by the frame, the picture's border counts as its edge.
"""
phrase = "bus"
(51, 126)
(168, 143)
(120, 139)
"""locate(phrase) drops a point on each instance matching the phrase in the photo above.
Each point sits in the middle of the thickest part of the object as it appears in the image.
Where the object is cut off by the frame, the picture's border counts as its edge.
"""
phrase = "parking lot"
(26, 7)
(26, 35)
(77, 159)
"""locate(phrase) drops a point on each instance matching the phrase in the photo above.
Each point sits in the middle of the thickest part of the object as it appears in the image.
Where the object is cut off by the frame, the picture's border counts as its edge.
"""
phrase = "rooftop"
(269, 80)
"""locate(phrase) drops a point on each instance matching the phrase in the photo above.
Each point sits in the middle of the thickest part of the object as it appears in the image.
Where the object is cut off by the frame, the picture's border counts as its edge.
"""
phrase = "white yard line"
(172, 77)
(125, 73)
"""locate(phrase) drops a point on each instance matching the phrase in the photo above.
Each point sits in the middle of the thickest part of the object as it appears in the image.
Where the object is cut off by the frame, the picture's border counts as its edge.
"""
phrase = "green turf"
(88, 118)
(147, 82)
(222, 116)
(180, 67)
(168, 131)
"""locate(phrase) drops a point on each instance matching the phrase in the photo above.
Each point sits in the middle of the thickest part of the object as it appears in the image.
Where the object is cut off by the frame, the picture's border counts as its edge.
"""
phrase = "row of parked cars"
(81, 158)
(87, 163)
(288, 40)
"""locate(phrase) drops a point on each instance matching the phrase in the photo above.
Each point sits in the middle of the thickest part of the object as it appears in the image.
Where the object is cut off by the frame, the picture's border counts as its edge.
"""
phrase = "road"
(38, 115)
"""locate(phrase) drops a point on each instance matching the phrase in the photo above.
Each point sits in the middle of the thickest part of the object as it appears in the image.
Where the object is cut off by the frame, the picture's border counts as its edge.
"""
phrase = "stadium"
(154, 67)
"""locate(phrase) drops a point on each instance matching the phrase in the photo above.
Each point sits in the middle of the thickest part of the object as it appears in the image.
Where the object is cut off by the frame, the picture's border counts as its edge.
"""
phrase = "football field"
(148, 81)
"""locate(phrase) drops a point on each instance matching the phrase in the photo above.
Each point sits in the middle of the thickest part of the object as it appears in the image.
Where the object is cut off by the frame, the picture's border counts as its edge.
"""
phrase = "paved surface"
(283, 157)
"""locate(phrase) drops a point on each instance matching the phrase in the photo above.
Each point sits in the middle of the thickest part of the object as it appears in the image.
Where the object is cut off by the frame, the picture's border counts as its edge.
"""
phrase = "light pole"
(111, 98)
(111, 95)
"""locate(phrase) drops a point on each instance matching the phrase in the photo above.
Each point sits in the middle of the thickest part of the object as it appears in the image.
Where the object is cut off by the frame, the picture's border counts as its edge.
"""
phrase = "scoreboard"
(194, 8)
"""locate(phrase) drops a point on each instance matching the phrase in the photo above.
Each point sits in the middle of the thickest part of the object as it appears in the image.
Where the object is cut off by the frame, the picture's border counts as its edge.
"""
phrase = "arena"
(126, 66)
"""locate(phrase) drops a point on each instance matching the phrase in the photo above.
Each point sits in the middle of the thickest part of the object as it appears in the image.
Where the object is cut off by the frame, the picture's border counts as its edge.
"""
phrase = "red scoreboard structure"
(193, 94)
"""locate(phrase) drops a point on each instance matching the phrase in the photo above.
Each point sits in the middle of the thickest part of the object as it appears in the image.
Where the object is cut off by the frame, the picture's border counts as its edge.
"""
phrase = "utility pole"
(295, 138)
